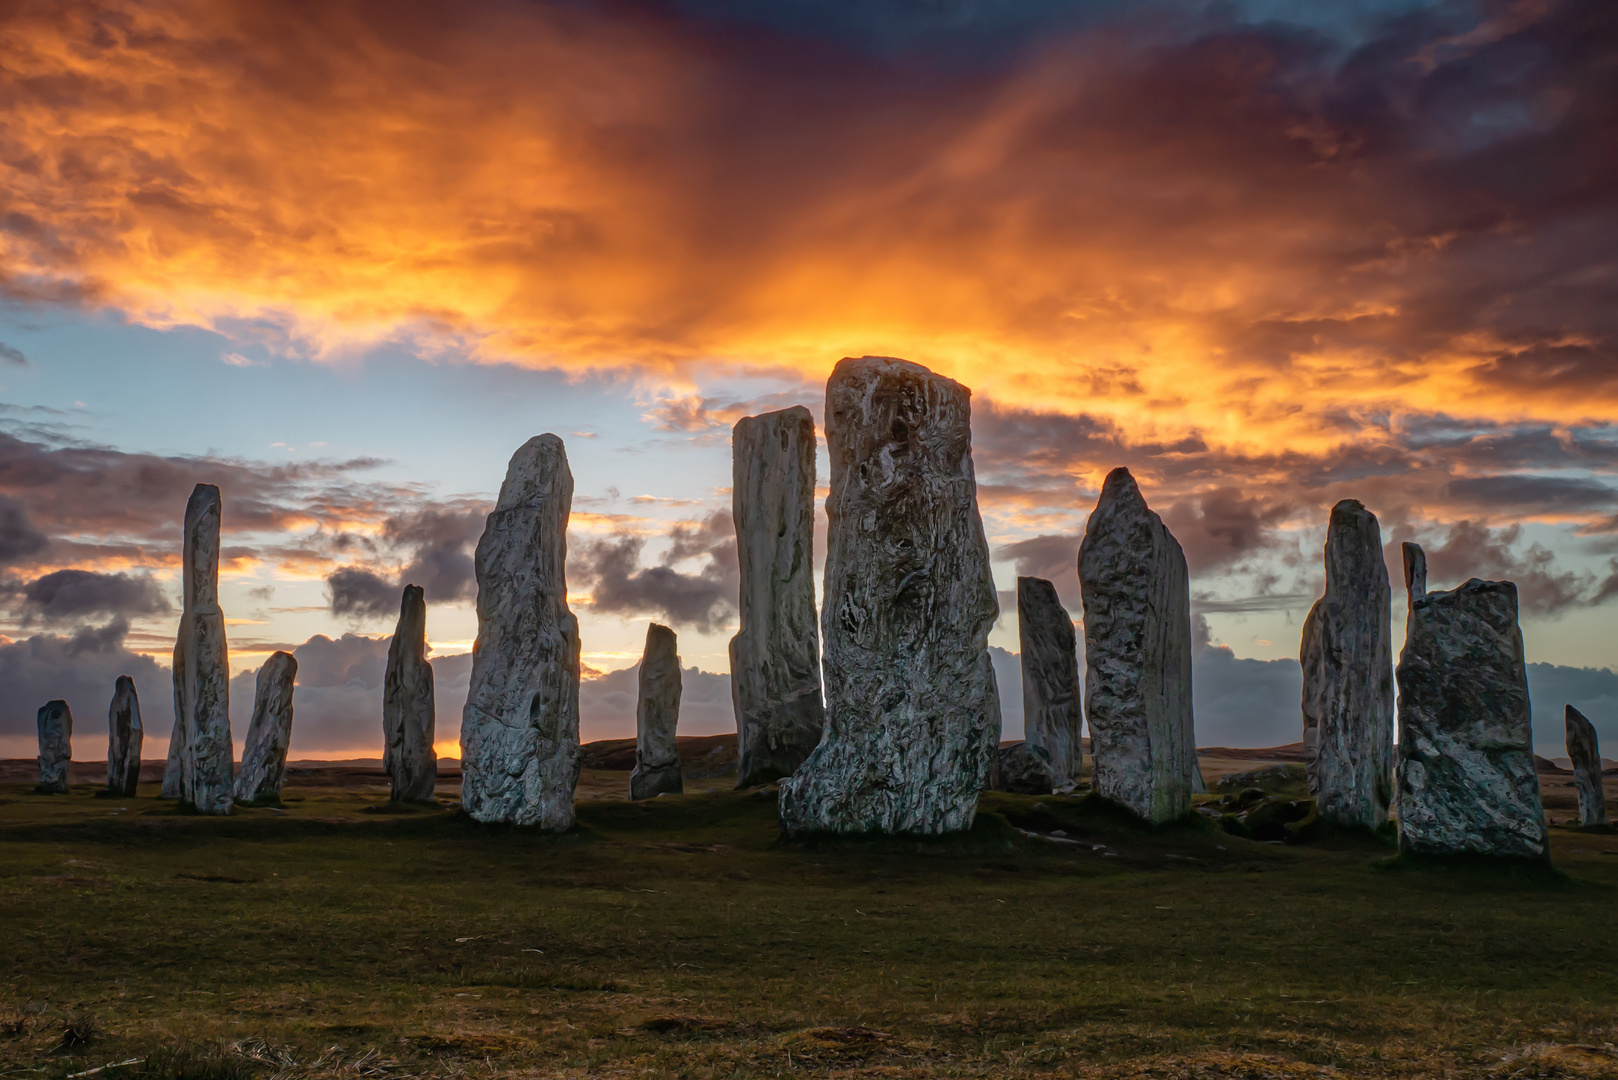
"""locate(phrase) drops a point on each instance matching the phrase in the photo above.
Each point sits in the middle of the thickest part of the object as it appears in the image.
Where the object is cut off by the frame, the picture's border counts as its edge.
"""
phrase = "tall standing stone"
(657, 712)
(913, 716)
(204, 755)
(1137, 642)
(520, 726)
(775, 655)
(264, 757)
(124, 738)
(408, 717)
(1467, 782)
(55, 722)
(1347, 658)
(1051, 706)
(1584, 750)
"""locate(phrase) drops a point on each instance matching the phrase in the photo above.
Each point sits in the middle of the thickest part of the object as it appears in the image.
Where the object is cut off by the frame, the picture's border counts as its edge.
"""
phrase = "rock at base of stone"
(775, 655)
(913, 714)
(1584, 751)
(1051, 706)
(55, 722)
(124, 738)
(1137, 639)
(657, 713)
(1347, 657)
(1467, 782)
(408, 709)
(202, 665)
(264, 757)
(1024, 769)
(520, 726)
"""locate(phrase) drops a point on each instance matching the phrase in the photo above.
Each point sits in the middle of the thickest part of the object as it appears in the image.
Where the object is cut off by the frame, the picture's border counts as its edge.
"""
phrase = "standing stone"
(657, 761)
(520, 727)
(1137, 641)
(200, 750)
(264, 760)
(124, 737)
(1467, 782)
(775, 655)
(1052, 716)
(1347, 658)
(55, 721)
(1024, 769)
(913, 717)
(408, 717)
(1584, 750)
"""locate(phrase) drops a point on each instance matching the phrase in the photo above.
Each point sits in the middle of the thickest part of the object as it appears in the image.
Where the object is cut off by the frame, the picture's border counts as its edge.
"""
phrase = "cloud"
(1222, 526)
(82, 668)
(704, 599)
(1470, 549)
(70, 594)
(10, 354)
(430, 546)
(18, 538)
(361, 593)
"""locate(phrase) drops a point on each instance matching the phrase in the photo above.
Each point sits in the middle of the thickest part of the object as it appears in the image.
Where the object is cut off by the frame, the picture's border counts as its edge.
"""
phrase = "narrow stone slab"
(913, 715)
(1051, 706)
(55, 722)
(408, 717)
(124, 738)
(775, 655)
(264, 759)
(1137, 641)
(520, 726)
(1347, 657)
(204, 754)
(1467, 782)
(657, 761)
(1584, 750)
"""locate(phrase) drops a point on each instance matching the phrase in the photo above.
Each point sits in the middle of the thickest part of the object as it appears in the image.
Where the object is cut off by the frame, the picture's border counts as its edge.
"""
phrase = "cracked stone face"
(657, 712)
(520, 726)
(408, 718)
(775, 655)
(1347, 657)
(1137, 640)
(1467, 781)
(55, 721)
(913, 715)
(124, 738)
(201, 755)
(1584, 750)
(264, 755)
(1051, 706)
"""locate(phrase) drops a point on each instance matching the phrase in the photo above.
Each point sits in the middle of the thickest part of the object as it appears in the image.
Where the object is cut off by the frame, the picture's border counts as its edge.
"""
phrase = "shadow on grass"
(1468, 871)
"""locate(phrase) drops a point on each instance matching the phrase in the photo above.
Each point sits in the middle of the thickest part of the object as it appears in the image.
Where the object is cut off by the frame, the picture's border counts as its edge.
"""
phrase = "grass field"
(683, 937)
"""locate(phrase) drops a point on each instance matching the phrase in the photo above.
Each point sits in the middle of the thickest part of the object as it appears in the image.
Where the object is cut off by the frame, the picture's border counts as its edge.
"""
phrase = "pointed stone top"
(657, 632)
(1577, 720)
(532, 476)
(1036, 587)
(281, 660)
(1415, 570)
(1120, 487)
(413, 596)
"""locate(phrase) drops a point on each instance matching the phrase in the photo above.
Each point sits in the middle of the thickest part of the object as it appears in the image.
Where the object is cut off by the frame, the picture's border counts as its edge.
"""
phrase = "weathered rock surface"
(124, 738)
(520, 726)
(1467, 782)
(269, 733)
(1584, 750)
(913, 715)
(1051, 707)
(1347, 658)
(657, 763)
(55, 721)
(201, 744)
(408, 718)
(1024, 769)
(775, 655)
(1137, 640)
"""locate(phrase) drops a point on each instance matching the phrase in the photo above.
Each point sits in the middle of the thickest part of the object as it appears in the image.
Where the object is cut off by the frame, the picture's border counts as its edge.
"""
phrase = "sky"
(342, 259)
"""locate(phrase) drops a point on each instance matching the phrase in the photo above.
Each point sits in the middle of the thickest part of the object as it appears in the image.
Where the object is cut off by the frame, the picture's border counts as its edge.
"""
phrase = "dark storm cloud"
(430, 546)
(82, 669)
(1470, 549)
(704, 599)
(361, 593)
(1535, 494)
(18, 537)
(70, 594)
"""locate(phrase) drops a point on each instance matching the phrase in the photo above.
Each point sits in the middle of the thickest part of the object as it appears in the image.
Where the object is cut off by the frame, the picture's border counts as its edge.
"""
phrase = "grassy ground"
(683, 937)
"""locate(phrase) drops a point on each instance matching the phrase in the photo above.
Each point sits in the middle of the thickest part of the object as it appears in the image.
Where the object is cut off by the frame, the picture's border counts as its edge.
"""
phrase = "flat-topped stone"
(775, 655)
(913, 715)
(55, 723)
